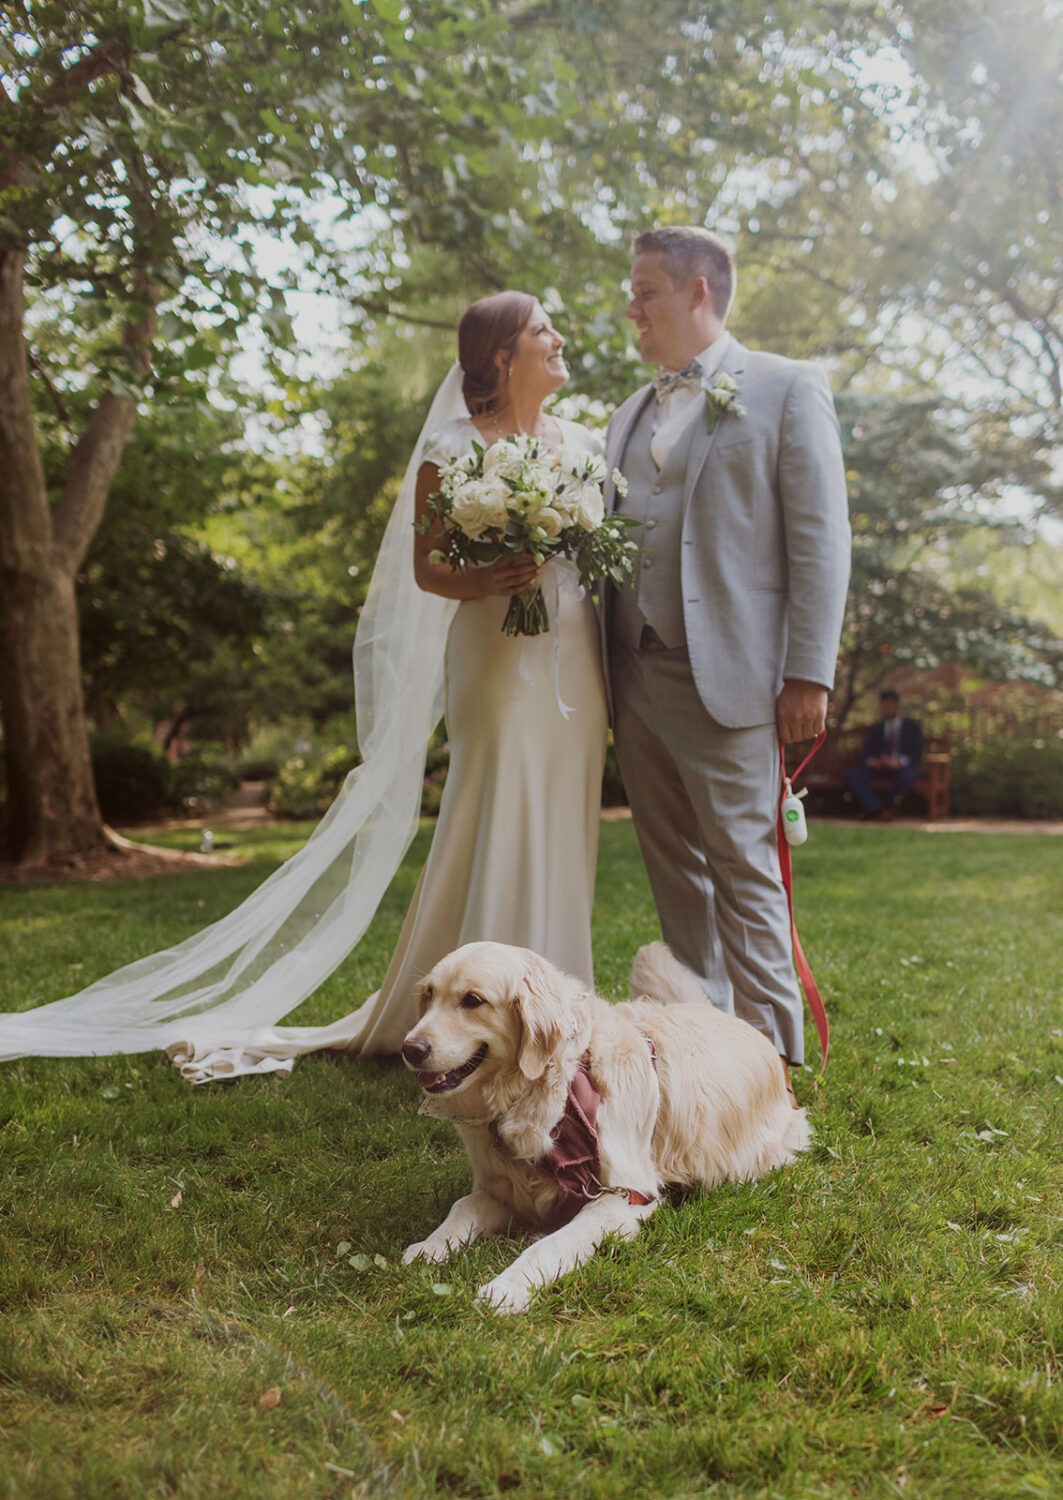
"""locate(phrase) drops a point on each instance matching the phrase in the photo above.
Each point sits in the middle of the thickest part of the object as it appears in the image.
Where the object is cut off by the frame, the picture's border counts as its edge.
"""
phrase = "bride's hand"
(508, 578)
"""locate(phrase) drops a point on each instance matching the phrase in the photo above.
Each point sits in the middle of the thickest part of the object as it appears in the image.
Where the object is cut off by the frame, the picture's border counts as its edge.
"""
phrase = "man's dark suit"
(908, 746)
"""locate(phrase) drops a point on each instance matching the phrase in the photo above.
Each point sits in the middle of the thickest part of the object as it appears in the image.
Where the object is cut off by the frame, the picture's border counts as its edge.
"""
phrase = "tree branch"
(385, 310)
(38, 369)
(1051, 337)
(95, 460)
(92, 468)
(25, 525)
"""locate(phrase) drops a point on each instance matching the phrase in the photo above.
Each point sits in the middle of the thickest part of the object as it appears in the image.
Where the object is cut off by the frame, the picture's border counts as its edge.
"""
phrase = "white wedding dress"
(516, 844)
(513, 857)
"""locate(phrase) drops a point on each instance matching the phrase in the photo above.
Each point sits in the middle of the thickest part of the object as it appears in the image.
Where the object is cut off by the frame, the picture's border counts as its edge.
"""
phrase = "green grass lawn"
(201, 1289)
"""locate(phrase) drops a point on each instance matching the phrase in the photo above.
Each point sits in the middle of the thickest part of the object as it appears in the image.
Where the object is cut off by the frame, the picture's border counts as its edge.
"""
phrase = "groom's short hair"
(687, 251)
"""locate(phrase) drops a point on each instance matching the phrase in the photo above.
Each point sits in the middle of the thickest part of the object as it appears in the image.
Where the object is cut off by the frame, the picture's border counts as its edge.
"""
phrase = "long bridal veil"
(213, 1000)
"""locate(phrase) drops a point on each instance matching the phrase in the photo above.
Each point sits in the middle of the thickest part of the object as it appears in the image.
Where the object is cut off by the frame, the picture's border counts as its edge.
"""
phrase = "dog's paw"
(433, 1250)
(505, 1296)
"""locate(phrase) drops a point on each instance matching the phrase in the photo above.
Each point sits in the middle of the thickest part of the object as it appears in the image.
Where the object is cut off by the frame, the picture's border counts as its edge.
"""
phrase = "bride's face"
(537, 363)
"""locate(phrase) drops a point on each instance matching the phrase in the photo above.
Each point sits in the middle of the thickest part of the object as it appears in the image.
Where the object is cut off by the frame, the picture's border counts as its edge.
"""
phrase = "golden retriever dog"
(576, 1113)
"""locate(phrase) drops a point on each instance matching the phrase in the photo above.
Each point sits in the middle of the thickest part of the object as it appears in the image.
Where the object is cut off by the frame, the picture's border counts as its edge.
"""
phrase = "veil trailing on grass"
(213, 1000)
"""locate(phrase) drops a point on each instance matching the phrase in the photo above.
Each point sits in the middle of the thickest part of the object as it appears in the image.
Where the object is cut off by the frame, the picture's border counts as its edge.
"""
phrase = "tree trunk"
(51, 797)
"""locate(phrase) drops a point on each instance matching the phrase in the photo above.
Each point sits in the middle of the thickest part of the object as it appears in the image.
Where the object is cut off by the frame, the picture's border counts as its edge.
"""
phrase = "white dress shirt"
(679, 406)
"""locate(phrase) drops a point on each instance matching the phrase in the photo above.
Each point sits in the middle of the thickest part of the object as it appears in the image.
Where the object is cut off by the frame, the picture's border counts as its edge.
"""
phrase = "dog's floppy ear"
(545, 1015)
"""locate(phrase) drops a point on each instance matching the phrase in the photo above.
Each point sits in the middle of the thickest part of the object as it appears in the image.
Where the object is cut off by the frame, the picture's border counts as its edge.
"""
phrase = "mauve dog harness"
(574, 1161)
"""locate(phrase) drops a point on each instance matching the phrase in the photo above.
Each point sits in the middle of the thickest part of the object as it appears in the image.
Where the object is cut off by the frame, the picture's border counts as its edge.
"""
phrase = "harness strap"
(574, 1160)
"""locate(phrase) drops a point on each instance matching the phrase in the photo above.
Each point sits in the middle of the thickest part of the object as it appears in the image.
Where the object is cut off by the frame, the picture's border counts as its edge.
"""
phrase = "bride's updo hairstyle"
(489, 327)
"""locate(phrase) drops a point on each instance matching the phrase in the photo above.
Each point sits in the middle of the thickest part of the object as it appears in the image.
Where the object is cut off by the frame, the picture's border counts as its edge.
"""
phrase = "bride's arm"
(468, 583)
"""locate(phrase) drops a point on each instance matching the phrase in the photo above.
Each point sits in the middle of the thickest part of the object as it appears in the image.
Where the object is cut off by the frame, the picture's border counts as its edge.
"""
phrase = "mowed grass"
(201, 1289)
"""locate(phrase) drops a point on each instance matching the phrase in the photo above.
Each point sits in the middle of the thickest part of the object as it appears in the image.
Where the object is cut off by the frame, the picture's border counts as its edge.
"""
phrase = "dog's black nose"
(415, 1052)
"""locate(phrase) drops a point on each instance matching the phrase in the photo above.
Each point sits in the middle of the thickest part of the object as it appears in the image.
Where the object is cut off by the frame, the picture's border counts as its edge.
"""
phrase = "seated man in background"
(893, 749)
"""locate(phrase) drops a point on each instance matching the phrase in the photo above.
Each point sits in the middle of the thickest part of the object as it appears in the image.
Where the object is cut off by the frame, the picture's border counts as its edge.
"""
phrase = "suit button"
(650, 524)
(656, 489)
(647, 562)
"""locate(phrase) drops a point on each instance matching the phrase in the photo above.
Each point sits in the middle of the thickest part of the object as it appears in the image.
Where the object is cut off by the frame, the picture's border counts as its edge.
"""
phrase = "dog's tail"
(657, 974)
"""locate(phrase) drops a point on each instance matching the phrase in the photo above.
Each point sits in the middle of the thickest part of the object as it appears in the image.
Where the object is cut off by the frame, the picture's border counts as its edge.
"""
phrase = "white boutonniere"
(721, 397)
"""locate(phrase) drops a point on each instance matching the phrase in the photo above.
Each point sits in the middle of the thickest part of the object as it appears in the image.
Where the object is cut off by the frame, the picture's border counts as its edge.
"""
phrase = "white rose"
(587, 507)
(562, 503)
(495, 497)
(550, 521)
(473, 509)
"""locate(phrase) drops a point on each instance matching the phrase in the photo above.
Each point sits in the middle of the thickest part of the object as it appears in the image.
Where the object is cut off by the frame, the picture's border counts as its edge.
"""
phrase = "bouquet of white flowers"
(521, 498)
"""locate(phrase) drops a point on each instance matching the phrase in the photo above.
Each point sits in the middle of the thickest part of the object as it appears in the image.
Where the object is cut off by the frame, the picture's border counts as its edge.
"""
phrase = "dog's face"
(487, 1009)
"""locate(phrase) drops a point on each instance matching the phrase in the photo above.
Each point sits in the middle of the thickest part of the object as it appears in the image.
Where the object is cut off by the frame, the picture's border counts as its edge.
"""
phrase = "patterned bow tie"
(688, 378)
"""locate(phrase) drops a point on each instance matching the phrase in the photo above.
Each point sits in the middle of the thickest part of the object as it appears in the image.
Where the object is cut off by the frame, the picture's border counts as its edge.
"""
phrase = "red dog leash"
(808, 983)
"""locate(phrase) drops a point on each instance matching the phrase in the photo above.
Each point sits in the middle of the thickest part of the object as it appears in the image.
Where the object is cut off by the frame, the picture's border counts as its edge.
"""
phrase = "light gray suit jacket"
(765, 538)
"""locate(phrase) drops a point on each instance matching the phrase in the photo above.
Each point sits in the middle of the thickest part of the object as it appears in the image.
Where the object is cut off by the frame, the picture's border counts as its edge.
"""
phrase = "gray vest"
(655, 499)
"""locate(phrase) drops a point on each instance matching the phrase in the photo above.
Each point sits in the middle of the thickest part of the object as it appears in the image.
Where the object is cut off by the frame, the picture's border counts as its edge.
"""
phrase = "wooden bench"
(844, 748)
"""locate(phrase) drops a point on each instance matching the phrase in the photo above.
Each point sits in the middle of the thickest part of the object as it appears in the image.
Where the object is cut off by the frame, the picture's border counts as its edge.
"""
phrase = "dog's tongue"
(427, 1080)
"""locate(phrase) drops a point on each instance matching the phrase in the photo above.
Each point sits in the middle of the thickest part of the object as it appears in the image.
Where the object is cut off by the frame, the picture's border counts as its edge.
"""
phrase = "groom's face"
(661, 311)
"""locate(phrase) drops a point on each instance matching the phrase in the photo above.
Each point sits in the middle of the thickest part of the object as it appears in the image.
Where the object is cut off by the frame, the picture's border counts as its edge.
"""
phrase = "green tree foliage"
(886, 169)
(145, 149)
(167, 625)
(924, 479)
(700, 113)
(309, 547)
(980, 239)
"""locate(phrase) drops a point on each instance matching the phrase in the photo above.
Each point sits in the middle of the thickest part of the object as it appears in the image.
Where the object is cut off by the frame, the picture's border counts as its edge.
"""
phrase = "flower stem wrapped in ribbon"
(521, 498)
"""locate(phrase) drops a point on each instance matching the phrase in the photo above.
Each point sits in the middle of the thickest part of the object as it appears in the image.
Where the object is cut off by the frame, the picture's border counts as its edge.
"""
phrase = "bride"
(515, 847)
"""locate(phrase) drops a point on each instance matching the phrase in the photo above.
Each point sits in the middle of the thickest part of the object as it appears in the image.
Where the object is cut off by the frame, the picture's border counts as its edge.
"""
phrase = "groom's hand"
(801, 711)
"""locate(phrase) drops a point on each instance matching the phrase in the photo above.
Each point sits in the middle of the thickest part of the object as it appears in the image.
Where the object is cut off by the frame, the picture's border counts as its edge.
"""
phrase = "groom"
(725, 642)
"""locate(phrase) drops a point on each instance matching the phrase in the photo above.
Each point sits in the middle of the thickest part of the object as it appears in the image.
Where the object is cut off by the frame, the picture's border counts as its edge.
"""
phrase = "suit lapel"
(625, 421)
(731, 364)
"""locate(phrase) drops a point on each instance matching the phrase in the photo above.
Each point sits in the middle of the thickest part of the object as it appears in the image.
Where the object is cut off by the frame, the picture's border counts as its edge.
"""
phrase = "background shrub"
(271, 745)
(306, 785)
(1008, 779)
(132, 775)
(203, 778)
